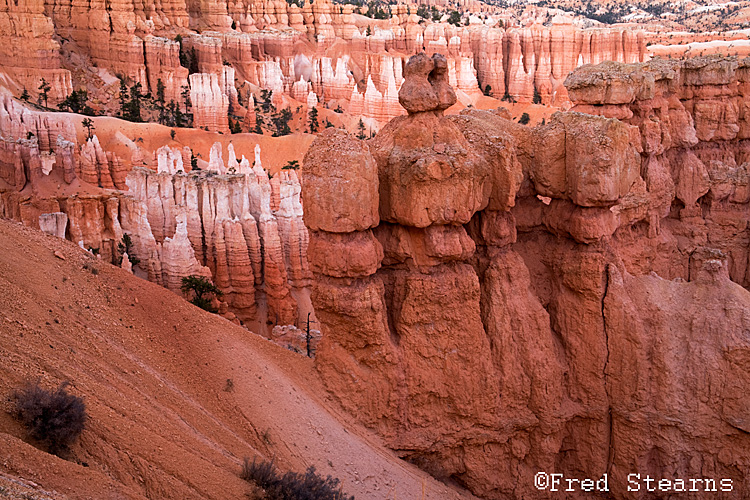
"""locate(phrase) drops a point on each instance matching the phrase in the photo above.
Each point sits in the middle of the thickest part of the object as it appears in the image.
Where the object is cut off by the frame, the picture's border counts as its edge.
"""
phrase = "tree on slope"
(202, 290)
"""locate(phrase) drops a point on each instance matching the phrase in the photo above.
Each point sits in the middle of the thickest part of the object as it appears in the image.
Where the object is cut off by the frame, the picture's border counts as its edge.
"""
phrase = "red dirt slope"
(154, 371)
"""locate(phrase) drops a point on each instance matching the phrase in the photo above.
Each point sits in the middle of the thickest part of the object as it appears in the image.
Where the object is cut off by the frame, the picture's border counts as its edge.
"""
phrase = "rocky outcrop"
(29, 51)
(234, 225)
(256, 256)
(54, 223)
(162, 58)
(691, 122)
(100, 168)
(210, 103)
(525, 298)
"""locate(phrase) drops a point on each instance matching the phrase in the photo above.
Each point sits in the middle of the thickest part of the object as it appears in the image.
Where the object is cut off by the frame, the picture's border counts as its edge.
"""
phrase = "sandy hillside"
(154, 371)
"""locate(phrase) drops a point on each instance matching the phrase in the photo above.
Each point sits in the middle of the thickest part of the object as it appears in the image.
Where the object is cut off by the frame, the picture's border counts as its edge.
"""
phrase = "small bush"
(292, 485)
(261, 473)
(55, 418)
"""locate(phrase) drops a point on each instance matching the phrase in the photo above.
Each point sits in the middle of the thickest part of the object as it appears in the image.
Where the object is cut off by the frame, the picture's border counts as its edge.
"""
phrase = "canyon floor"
(176, 397)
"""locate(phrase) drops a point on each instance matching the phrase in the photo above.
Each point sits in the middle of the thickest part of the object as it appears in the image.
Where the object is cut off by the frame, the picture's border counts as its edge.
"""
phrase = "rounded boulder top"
(426, 86)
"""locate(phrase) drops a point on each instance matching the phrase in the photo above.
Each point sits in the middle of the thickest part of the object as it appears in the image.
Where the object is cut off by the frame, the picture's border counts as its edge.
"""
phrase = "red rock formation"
(586, 255)
(54, 223)
(353, 296)
(256, 253)
(29, 52)
(135, 41)
(163, 63)
(344, 255)
(691, 120)
(249, 250)
(177, 258)
(100, 168)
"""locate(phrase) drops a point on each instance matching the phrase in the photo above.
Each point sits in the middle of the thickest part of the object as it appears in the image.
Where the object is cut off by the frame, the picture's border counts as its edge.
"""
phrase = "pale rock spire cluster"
(270, 40)
(224, 227)
(231, 223)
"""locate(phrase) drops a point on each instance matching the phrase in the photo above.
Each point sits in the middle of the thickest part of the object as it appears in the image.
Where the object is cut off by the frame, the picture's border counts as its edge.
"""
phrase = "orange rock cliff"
(497, 301)
(320, 54)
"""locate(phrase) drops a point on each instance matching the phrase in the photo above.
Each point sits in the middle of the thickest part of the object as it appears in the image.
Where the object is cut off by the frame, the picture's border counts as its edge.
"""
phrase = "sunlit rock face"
(319, 54)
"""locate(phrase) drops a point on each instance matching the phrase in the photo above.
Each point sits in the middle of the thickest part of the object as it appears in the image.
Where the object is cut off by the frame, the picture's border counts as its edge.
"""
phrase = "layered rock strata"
(566, 298)
(29, 52)
(320, 52)
(231, 223)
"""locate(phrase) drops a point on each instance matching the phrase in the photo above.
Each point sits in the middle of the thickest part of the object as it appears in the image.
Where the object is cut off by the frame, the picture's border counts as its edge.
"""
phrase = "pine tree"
(133, 108)
(258, 124)
(200, 287)
(188, 116)
(126, 246)
(361, 128)
(266, 103)
(160, 101)
(281, 122)
(88, 123)
(313, 116)
(44, 88)
(123, 98)
(537, 99)
(76, 102)
(25, 95)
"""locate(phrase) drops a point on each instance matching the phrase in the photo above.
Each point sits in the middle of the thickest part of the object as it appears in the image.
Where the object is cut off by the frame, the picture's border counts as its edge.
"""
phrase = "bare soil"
(177, 397)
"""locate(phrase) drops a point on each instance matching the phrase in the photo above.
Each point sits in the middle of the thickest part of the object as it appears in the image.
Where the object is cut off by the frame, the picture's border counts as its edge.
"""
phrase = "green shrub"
(202, 290)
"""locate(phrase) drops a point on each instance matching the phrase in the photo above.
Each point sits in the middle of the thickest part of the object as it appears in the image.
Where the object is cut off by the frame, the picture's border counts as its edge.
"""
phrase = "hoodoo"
(549, 299)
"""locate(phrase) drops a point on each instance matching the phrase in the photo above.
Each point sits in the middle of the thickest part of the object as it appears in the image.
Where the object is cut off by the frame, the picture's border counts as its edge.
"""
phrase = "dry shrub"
(292, 485)
(54, 418)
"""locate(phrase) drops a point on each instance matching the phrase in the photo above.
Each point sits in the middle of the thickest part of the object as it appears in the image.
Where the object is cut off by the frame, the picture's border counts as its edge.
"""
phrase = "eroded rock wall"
(232, 223)
(29, 51)
(551, 299)
(321, 46)
(693, 123)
